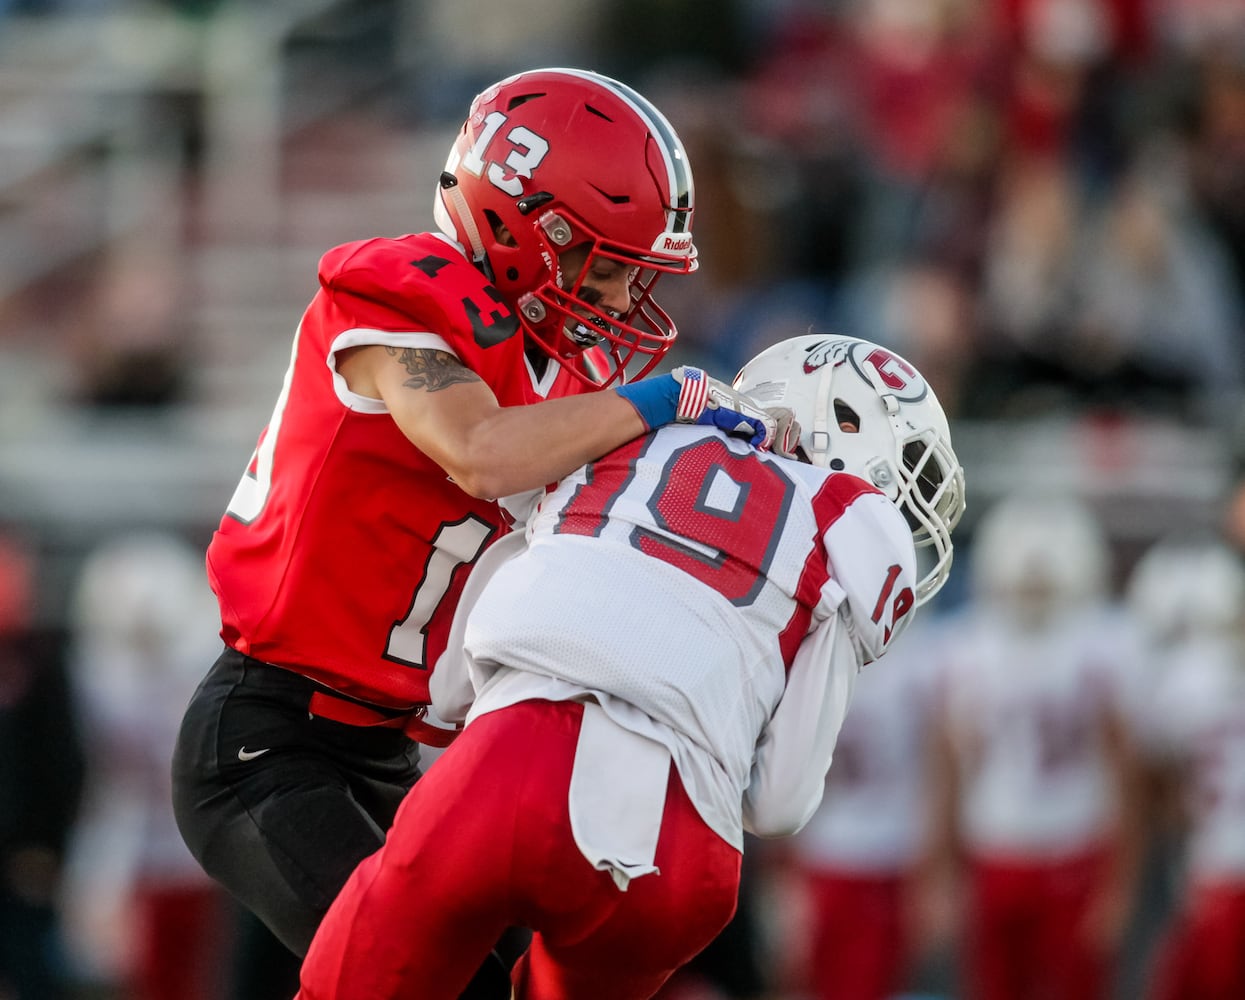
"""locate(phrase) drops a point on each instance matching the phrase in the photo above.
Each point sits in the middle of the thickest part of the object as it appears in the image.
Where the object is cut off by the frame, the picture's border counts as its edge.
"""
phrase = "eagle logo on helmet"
(826, 352)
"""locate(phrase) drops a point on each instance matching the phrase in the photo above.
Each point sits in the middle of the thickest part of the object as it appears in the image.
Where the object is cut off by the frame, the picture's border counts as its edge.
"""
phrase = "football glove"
(688, 396)
(705, 400)
(787, 433)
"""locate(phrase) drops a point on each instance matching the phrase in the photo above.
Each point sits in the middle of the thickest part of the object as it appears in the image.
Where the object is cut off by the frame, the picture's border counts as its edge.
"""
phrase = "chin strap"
(823, 413)
(450, 189)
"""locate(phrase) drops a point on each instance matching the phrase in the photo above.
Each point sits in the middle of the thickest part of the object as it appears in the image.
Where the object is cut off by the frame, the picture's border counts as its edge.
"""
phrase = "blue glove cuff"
(655, 399)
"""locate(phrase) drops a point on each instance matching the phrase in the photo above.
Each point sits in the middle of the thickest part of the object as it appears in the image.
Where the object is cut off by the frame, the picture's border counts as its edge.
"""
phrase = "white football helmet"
(1185, 587)
(865, 410)
(1037, 556)
(145, 592)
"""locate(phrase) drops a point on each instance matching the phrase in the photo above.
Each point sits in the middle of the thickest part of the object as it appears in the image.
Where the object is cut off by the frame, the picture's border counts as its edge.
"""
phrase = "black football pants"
(277, 806)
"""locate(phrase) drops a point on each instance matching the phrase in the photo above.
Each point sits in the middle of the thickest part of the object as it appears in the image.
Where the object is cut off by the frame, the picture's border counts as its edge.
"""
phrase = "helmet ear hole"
(847, 418)
(500, 231)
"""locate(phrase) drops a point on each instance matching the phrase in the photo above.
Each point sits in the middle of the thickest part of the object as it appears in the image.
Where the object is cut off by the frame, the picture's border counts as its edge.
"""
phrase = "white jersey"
(1025, 710)
(1198, 719)
(676, 582)
(873, 818)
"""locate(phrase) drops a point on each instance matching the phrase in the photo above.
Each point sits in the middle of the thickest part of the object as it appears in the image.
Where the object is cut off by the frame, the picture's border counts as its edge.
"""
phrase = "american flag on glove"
(705, 400)
(693, 395)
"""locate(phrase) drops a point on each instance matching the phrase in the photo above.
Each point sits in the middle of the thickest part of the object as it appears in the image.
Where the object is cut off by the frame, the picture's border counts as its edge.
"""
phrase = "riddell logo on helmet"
(679, 243)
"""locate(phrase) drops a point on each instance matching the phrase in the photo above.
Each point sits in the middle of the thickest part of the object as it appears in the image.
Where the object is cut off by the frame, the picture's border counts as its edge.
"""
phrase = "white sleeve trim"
(362, 337)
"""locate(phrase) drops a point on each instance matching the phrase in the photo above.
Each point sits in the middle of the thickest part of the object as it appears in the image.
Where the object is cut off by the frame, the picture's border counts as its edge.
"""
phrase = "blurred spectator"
(457, 48)
(1065, 80)
(1026, 277)
(1211, 35)
(794, 138)
(143, 914)
(1234, 514)
(1154, 303)
(1039, 797)
(131, 341)
(867, 105)
(1124, 301)
(41, 769)
(925, 309)
(708, 36)
(918, 64)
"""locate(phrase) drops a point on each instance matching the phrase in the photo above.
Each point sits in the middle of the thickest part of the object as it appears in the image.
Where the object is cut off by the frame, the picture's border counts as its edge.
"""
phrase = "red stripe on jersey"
(584, 513)
(830, 502)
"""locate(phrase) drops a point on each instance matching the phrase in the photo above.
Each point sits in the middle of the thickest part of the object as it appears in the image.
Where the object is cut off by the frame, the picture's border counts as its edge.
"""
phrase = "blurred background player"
(42, 767)
(1039, 792)
(1190, 596)
(659, 662)
(341, 555)
(144, 916)
(854, 868)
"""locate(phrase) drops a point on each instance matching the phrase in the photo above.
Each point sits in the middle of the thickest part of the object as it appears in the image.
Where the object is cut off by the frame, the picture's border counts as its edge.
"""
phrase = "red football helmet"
(562, 158)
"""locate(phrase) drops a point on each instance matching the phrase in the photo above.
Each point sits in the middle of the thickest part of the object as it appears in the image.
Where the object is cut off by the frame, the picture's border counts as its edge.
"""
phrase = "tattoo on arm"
(431, 370)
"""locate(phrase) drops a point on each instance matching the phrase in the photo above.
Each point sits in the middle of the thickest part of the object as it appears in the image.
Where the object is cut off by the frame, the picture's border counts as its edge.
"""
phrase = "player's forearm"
(794, 751)
(522, 448)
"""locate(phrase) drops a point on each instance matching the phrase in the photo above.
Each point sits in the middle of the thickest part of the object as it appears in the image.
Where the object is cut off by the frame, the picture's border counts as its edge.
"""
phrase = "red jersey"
(344, 549)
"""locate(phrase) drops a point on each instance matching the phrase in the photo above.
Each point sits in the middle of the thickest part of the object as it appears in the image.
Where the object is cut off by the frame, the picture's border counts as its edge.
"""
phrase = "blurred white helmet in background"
(1184, 587)
(1037, 556)
(146, 592)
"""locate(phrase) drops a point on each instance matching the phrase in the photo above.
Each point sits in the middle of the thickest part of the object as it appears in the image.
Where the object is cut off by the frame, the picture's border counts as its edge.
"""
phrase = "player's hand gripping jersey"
(757, 558)
(285, 554)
